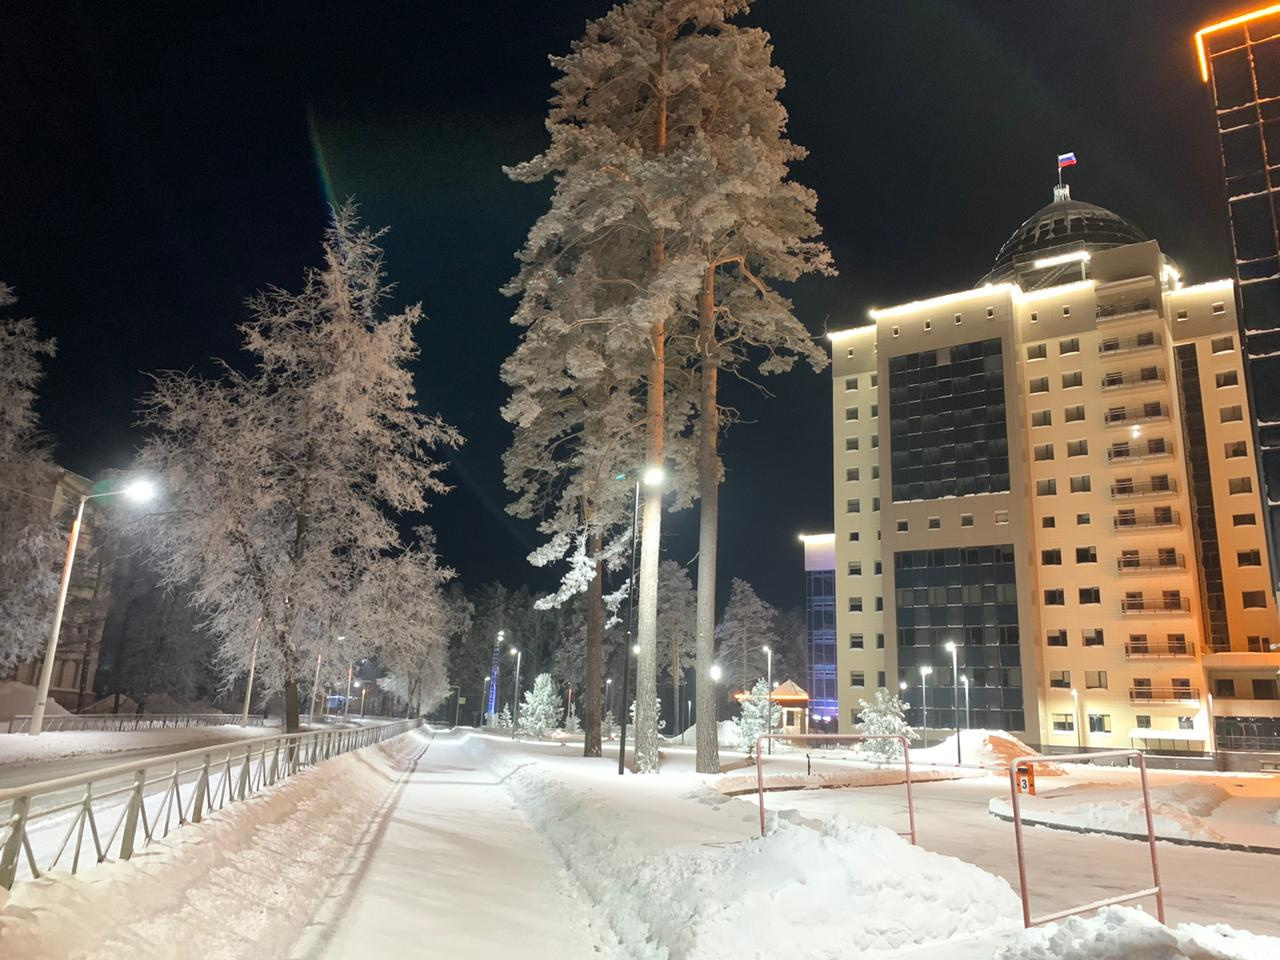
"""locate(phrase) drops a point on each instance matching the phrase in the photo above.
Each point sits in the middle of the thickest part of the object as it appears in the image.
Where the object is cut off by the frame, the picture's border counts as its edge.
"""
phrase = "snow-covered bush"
(540, 711)
(571, 724)
(754, 721)
(884, 715)
(504, 718)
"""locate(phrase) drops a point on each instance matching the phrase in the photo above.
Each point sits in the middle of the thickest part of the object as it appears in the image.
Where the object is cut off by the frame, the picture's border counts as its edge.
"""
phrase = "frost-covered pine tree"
(504, 718)
(884, 714)
(677, 624)
(287, 481)
(744, 630)
(610, 724)
(540, 711)
(571, 724)
(754, 719)
(29, 540)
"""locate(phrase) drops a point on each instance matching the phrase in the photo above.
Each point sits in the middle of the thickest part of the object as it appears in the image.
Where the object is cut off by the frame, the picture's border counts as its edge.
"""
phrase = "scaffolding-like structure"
(1239, 60)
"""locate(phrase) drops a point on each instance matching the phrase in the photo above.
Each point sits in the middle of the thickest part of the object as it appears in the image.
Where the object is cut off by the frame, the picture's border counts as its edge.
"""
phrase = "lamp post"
(1075, 717)
(364, 689)
(653, 477)
(924, 704)
(688, 717)
(253, 665)
(950, 647)
(515, 715)
(625, 707)
(769, 682)
(346, 701)
(965, 681)
(716, 673)
(608, 695)
(138, 491)
(484, 700)
(315, 684)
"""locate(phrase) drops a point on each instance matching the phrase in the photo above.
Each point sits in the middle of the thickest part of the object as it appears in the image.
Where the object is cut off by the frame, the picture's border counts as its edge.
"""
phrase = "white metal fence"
(110, 813)
(132, 721)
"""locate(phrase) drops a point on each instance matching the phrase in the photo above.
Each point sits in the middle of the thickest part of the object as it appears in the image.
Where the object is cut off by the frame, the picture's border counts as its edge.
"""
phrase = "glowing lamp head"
(139, 491)
(766, 649)
(515, 652)
(949, 646)
(925, 671)
(716, 673)
(654, 476)
(635, 648)
(902, 684)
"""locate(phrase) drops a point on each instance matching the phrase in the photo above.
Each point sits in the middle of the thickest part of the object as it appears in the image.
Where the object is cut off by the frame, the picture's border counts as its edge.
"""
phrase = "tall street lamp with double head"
(515, 716)
(924, 703)
(950, 647)
(138, 491)
(768, 652)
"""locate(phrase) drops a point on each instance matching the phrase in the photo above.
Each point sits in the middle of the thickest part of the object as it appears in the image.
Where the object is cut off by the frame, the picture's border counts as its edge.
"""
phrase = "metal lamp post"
(924, 704)
(484, 700)
(716, 673)
(950, 647)
(1075, 717)
(515, 715)
(608, 695)
(965, 680)
(624, 706)
(769, 682)
(139, 491)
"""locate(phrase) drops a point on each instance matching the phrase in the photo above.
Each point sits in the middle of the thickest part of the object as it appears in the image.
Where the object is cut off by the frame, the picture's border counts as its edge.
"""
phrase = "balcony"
(1144, 562)
(1147, 413)
(1114, 311)
(1155, 521)
(1164, 694)
(1159, 650)
(1116, 345)
(1128, 490)
(1155, 605)
(1149, 377)
(1155, 449)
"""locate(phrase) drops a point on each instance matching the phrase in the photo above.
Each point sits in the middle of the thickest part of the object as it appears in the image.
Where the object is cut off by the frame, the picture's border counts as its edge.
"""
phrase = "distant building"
(1055, 472)
(820, 613)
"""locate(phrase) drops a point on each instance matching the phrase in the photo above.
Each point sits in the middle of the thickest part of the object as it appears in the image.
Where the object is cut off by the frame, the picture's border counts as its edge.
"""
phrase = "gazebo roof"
(789, 690)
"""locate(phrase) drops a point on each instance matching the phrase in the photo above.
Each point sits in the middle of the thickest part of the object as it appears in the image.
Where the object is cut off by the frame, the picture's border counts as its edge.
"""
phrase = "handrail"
(135, 721)
(156, 794)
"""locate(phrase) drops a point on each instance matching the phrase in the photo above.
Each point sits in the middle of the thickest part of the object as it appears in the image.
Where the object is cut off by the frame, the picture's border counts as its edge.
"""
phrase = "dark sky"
(157, 166)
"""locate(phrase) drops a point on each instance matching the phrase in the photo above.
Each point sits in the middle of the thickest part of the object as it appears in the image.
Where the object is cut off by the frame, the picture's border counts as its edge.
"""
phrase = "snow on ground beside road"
(876, 776)
(1124, 816)
(22, 748)
(19, 699)
(240, 885)
(989, 749)
(671, 892)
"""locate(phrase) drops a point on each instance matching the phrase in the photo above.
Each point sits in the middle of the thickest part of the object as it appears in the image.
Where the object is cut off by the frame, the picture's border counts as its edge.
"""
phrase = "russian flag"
(1066, 160)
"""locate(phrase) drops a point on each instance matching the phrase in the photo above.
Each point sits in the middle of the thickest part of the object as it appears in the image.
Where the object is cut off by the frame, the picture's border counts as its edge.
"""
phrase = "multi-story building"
(1050, 479)
(820, 617)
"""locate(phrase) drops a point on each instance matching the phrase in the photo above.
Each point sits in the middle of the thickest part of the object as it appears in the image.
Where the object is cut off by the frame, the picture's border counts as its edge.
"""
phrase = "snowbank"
(1123, 933)
(19, 748)
(989, 749)
(242, 884)
(728, 732)
(840, 890)
(18, 700)
(1177, 811)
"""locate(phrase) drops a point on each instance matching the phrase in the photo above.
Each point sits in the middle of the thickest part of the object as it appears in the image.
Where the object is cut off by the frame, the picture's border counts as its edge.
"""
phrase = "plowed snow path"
(451, 868)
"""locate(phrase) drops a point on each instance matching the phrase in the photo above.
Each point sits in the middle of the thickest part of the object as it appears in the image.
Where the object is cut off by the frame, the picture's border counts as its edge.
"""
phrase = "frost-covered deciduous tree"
(29, 540)
(745, 629)
(754, 719)
(285, 483)
(885, 714)
(540, 711)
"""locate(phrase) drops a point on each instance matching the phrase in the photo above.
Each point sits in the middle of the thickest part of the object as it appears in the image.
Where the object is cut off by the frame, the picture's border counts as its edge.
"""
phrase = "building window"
(1222, 344)
(851, 383)
(1063, 722)
(1081, 484)
(1099, 723)
(928, 325)
(1037, 351)
(1224, 687)
(853, 506)
(991, 312)
(1092, 638)
(1240, 485)
(879, 603)
(1048, 523)
(851, 473)
(855, 568)
(1236, 448)
(1074, 413)
(1070, 345)
(1090, 595)
(1066, 310)
(876, 568)
(902, 526)
(875, 471)
(1051, 558)
(1043, 451)
(1002, 516)
(935, 523)
(875, 440)
(857, 678)
(879, 678)
(895, 331)
(959, 318)
(1244, 519)
(851, 443)
(1219, 308)
(1039, 385)
(1265, 690)
(1142, 721)
(1077, 448)
(1182, 314)
(1186, 723)
(1054, 598)
(855, 641)
(1082, 520)
(1046, 488)
(1073, 378)
(849, 353)
(1041, 418)
(1258, 644)
(875, 504)
(1086, 554)
(1056, 638)
(851, 413)
(966, 519)
(1035, 317)
(1060, 679)
(1254, 599)
(1228, 378)
(1248, 558)
(875, 379)
(1233, 414)
(854, 536)
(855, 604)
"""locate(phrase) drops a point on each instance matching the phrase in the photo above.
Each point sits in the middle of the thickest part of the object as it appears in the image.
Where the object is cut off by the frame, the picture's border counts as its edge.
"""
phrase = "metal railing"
(120, 809)
(1155, 605)
(1146, 488)
(1142, 341)
(1111, 311)
(1135, 649)
(1152, 377)
(1135, 563)
(1154, 449)
(132, 721)
(1143, 414)
(1147, 521)
(1164, 694)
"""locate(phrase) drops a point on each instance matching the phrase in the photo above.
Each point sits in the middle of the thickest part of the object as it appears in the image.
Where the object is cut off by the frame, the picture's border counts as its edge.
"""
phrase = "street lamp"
(515, 716)
(484, 700)
(624, 706)
(965, 680)
(769, 681)
(924, 704)
(716, 673)
(608, 694)
(137, 491)
(950, 647)
(1075, 717)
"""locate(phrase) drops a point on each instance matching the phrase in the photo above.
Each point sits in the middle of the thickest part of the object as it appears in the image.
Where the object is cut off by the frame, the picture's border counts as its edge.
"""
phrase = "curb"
(1178, 841)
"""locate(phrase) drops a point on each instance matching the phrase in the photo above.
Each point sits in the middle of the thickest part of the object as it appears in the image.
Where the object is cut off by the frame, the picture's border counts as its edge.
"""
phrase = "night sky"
(159, 165)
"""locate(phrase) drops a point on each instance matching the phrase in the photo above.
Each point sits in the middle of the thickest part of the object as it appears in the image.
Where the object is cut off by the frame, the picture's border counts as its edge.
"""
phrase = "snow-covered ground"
(21, 749)
(19, 699)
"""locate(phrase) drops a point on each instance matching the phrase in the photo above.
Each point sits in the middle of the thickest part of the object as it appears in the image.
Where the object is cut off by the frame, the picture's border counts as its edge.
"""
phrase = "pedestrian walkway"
(451, 868)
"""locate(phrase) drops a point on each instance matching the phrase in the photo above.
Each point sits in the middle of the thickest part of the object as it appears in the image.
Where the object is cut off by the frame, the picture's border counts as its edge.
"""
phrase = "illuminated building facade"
(1053, 473)
(820, 615)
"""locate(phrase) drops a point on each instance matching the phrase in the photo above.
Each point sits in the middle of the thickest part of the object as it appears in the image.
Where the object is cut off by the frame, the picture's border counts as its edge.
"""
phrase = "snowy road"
(452, 868)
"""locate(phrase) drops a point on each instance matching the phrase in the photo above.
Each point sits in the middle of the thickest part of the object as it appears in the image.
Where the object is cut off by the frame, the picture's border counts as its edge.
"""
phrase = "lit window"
(1222, 344)
(1228, 378)
(1073, 378)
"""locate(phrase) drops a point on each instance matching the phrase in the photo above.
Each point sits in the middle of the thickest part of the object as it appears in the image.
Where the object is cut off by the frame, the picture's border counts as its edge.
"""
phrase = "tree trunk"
(646, 727)
(291, 724)
(595, 655)
(675, 682)
(708, 752)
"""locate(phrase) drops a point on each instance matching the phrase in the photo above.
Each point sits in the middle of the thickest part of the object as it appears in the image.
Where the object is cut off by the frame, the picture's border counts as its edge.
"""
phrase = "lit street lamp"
(716, 673)
(965, 680)
(924, 704)
(138, 491)
(608, 695)
(625, 707)
(769, 682)
(484, 700)
(515, 716)
(950, 647)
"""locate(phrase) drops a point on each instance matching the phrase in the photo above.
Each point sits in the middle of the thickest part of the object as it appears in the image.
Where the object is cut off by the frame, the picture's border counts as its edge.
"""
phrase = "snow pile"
(18, 700)
(1123, 933)
(840, 890)
(989, 749)
(731, 784)
(729, 734)
(1176, 811)
(1199, 799)
(243, 884)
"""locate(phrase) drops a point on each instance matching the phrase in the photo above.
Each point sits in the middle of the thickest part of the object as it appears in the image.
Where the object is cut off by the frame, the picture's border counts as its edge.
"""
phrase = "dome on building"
(1063, 226)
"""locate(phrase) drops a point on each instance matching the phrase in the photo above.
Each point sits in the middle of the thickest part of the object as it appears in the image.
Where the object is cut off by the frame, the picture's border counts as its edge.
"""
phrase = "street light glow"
(949, 646)
(635, 648)
(514, 651)
(902, 684)
(716, 673)
(654, 476)
(925, 671)
(139, 491)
